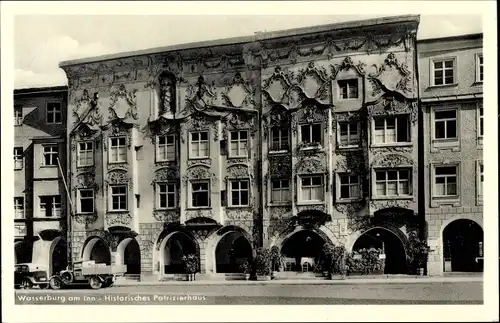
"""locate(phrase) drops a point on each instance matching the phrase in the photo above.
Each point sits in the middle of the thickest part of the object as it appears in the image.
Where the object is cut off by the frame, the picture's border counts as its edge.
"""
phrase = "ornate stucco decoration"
(348, 116)
(117, 176)
(280, 212)
(168, 92)
(206, 162)
(309, 113)
(277, 116)
(86, 110)
(392, 161)
(315, 207)
(351, 161)
(376, 205)
(314, 82)
(203, 91)
(117, 128)
(238, 93)
(108, 238)
(165, 174)
(239, 121)
(167, 216)
(199, 172)
(311, 165)
(239, 213)
(238, 171)
(198, 213)
(159, 127)
(86, 219)
(123, 103)
(199, 121)
(383, 76)
(118, 218)
(346, 65)
(393, 105)
(350, 209)
(280, 166)
(277, 85)
(86, 180)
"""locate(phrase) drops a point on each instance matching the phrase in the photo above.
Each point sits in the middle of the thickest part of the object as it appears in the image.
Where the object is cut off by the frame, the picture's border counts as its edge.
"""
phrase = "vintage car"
(28, 275)
(87, 273)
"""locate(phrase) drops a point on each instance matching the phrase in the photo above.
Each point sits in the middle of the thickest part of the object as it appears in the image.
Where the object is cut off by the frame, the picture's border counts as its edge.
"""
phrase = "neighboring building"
(451, 91)
(39, 194)
(290, 139)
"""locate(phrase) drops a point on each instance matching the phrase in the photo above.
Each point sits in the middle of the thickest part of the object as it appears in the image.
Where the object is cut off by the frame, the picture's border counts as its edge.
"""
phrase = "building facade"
(451, 91)
(39, 194)
(291, 139)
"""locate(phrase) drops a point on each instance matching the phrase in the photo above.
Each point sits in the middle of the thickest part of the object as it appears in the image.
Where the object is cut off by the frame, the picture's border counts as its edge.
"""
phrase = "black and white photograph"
(264, 157)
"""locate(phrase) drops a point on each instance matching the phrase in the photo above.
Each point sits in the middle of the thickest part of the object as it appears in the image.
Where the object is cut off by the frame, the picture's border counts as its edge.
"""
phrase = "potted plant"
(191, 265)
(338, 262)
(276, 261)
(247, 269)
(262, 264)
(328, 250)
(417, 253)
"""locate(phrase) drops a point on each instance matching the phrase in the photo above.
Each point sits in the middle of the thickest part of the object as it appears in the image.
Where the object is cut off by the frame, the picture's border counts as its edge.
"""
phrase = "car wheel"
(26, 284)
(95, 282)
(43, 286)
(55, 283)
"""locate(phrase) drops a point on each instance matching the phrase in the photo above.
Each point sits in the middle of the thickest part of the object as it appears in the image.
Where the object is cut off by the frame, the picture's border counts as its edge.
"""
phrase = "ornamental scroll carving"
(165, 174)
(117, 176)
(239, 121)
(86, 180)
(392, 160)
(310, 165)
(238, 93)
(376, 205)
(350, 161)
(199, 172)
(314, 81)
(198, 213)
(391, 62)
(277, 117)
(118, 218)
(389, 105)
(308, 114)
(280, 165)
(203, 91)
(160, 127)
(239, 213)
(86, 109)
(346, 65)
(203, 162)
(280, 212)
(86, 219)
(167, 216)
(116, 128)
(238, 171)
(116, 111)
(201, 122)
(314, 207)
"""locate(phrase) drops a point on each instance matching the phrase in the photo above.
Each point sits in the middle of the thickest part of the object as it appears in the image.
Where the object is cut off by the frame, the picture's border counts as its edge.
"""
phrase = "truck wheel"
(26, 284)
(95, 282)
(55, 283)
(108, 283)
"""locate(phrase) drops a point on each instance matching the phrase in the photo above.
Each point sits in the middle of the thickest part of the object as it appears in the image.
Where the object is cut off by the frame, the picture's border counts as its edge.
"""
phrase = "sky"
(42, 41)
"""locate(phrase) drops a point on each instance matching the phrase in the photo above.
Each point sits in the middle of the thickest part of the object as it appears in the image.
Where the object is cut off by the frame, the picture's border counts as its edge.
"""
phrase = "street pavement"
(458, 292)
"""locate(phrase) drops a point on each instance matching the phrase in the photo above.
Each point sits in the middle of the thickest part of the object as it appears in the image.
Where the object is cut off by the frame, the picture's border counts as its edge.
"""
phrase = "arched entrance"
(391, 245)
(232, 250)
(303, 251)
(128, 253)
(463, 245)
(95, 249)
(172, 249)
(22, 252)
(59, 256)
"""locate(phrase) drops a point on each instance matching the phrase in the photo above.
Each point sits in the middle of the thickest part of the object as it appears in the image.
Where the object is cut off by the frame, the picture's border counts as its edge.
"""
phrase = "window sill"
(392, 144)
(277, 204)
(53, 123)
(443, 85)
(18, 169)
(311, 148)
(278, 152)
(197, 208)
(158, 161)
(349, 147)
(438, 201)
(306, 203)
(85, 166)
(117, 211)
(166, 209)
(348, 200)
(85, 213)
(400, 197)
(237, 207)
(48, 166)
(199, 158)
(118, 163)
(237, 157)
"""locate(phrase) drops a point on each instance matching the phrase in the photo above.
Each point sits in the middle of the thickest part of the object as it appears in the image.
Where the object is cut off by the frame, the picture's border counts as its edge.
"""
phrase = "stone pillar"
(434, 261)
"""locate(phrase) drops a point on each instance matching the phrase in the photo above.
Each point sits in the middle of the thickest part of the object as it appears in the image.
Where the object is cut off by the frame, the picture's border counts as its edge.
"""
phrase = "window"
(199, 144)
(166, 148)
(311, 134)
(445, 124)
(445, 181)
(479, 68)
(349, 186)
(239, 193)
(481, 122)
(443, 72)
(392, 182)
(85, 153)
(19, 207)
(239, 143)
(200, 195)
(18, 116)
(119, 198)
(392, 129)
(50, 205)
(18, 158)
(118, 150)
(53, 112)
(348, 89)
(167, 195)
(280, 190)
(50, 155)
(86, 201)
(280, 139)
(349, 134)
(312, 188)
(481, 179)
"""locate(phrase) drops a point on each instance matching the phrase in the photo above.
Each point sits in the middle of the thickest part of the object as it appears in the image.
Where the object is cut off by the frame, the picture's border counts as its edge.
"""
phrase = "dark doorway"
(59, 257)
(100, 253)
(231, 251)
(391, 245)
(22, 252)
(303, 251)
(132, 258)
(463, 246)
(177, 246)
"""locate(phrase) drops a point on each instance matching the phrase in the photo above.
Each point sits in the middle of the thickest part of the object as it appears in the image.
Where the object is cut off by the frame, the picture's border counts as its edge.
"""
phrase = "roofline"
(451, 38)
(38, 90)
(258, 36)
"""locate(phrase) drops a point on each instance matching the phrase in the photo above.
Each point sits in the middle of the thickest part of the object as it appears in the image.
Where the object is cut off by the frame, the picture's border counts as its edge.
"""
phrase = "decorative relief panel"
(117, 128)
(117, 176)
(239, 213)
(376, 205)
(314, 81)
(198, 213)
(167, 93)
(350, 116)
(160, 127)
(277, 116)
(385, 72)
(202, 162)
(201, 122)
(239, 121)
(238, 171)
(280, 165)
(315, 207)
(86, 180)
(167, 216)
(237, 161)
(238, 93)
(392, 160)
(350, 161)
(85, 109)
(388, 105)
(203, 91)
(280, 212)
(346, 65)
(165, 174)
(86, 219)
(123, 103)
(118, 219)
(199, 172)
(310, 166)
